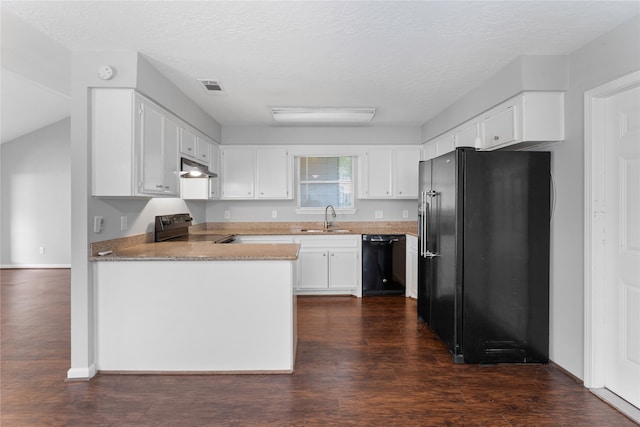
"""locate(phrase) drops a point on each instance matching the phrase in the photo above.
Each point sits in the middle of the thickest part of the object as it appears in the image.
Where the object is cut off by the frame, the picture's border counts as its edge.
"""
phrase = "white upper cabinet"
(170, 156)
(256, 173)
(468, 135)
(526, 119)
(151, 138)
(238, 173)
(429, 150)
(389, 173)
(194, 146)
(405, 172)
(375, 174)
(530, 117)
(272, 173)
(134, 147)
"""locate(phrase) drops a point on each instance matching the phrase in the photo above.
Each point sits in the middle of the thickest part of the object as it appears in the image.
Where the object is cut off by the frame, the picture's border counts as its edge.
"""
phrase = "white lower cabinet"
(329, 265)
(412, 267)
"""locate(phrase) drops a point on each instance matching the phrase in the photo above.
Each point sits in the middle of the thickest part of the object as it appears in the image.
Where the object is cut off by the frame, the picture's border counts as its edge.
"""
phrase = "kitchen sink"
(320, 230)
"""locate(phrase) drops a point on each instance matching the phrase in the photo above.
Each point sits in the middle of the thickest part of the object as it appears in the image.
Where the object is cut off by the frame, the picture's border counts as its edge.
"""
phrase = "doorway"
(612, 242)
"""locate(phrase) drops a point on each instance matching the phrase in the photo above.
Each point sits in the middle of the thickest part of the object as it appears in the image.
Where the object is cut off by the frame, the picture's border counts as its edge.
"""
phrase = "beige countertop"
(200, 248)
(203, 251)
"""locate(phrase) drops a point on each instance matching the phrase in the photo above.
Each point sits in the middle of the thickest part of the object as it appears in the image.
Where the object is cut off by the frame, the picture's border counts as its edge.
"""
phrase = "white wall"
(607, 58)
(36, 199)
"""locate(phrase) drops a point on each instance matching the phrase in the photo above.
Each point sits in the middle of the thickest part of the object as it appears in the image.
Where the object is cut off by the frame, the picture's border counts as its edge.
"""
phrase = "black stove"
(175, 227)
(170, 227)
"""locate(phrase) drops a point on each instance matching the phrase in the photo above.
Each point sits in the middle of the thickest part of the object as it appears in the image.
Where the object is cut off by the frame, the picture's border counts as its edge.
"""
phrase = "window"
(326, 181)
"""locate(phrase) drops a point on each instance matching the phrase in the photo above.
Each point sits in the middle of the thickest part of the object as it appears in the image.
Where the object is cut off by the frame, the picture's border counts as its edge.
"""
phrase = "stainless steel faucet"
(328, 223)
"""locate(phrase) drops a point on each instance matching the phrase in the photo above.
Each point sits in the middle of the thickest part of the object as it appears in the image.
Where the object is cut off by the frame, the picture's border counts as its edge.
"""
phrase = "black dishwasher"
(383, 264)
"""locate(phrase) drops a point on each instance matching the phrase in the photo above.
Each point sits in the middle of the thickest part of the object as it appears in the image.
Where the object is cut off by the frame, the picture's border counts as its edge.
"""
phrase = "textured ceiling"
(407, 59)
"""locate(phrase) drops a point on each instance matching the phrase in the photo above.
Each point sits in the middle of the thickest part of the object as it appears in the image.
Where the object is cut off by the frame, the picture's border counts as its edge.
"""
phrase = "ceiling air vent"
(211, 86)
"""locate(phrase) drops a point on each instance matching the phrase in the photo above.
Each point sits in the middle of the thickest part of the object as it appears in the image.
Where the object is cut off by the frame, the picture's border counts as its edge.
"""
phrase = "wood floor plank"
(360, 362)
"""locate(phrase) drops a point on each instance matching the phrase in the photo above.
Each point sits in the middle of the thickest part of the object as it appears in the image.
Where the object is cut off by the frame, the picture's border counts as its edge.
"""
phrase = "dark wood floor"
(360, 362)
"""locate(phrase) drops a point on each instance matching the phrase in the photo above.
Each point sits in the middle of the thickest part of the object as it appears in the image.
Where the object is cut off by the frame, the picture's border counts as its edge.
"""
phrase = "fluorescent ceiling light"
(323, 115)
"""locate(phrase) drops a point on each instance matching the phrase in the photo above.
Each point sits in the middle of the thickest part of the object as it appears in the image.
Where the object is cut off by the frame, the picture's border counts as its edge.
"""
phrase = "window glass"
(326, 181)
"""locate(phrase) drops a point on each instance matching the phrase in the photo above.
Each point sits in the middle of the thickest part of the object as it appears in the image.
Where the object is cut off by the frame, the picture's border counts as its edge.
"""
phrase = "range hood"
(192, 169)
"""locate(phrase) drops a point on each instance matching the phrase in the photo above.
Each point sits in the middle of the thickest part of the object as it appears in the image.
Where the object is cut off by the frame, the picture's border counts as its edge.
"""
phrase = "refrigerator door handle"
(423, 223)
(425, 252)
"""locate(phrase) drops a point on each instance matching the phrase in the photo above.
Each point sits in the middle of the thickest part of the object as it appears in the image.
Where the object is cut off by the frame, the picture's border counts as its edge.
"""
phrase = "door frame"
(594, 225)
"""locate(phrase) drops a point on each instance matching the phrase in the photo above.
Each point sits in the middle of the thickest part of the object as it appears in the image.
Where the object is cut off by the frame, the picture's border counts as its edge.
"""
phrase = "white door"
(622, 189)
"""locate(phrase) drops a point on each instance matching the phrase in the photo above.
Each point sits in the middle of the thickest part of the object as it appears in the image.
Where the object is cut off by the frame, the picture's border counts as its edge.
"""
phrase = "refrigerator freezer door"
(424, 263)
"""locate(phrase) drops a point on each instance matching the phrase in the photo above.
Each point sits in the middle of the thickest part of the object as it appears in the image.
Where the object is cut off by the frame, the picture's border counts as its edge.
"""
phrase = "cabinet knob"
(189, 149)
(495, 138)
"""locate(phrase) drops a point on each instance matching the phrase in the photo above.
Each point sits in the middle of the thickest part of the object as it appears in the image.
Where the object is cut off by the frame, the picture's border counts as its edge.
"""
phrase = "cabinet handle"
(166, 186)
(158, 185)
(324, 254)
(495, 138)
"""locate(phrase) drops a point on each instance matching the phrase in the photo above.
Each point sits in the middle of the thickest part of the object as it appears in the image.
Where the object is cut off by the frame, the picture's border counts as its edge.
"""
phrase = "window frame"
(320, 210)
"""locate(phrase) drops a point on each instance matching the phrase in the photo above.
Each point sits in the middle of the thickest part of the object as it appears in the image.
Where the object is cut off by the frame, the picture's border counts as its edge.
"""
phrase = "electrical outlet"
(378, 214)
(97, 224)
(227, 214)
(41, 249)
(405, 214)
(124, 223)
(274, 214)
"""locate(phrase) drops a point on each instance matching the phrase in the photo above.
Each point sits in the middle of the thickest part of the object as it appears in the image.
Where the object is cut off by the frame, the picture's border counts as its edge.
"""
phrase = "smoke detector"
(211, 86)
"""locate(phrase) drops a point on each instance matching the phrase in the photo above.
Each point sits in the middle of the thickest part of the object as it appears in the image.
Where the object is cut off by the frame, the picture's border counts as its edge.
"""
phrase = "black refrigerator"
(483, 254)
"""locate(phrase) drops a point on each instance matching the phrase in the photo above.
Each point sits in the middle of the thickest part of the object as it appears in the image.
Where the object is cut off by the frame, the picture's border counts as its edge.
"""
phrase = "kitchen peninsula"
(196, 307)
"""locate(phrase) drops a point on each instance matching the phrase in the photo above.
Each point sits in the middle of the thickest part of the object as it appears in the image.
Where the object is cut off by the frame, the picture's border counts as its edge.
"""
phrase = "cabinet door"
(445, 145)
(188, 143)
(499, 128)
(171, 170)
(429, 150)
(238, 168)
(343, 268)
(312, 269)
(151, 138)
(377, 174)
(272, 174)
(468, 136)
(406, 172)
(214, 158)
(202, 151)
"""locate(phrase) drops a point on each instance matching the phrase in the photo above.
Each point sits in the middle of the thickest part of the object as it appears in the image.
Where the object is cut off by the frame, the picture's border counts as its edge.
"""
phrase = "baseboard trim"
(32, 266)
(617, 402)
(81, 374)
